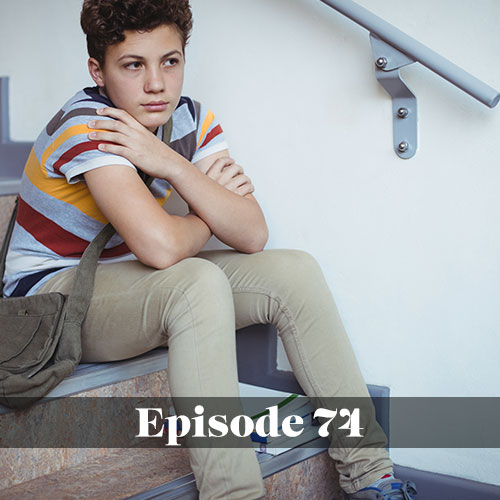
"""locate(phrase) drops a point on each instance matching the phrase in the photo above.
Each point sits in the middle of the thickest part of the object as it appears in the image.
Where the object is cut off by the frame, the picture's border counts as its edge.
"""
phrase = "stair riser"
(18, 465)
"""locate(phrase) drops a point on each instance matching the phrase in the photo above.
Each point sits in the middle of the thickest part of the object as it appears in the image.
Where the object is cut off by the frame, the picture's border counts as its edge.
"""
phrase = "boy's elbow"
(158, 260)
(160, 253)
(258, 241)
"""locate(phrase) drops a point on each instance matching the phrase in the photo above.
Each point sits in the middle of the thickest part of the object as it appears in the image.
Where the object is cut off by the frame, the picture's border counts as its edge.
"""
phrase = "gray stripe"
(60, 118)
(197, 107)
(186, 146)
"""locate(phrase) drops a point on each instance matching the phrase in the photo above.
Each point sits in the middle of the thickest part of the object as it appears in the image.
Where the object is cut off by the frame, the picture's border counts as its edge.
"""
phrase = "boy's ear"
(95, 71)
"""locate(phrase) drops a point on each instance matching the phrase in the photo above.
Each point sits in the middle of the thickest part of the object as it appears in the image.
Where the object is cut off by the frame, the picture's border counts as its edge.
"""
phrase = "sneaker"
(390, 489)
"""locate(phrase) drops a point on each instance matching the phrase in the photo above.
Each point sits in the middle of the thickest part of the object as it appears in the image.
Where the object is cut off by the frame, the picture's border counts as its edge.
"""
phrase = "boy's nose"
(154, 81)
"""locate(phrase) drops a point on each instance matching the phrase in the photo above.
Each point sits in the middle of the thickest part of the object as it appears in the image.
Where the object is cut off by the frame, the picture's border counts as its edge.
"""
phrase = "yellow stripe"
(77, 194)
(70, 132)
(206, 124)
(161, 201)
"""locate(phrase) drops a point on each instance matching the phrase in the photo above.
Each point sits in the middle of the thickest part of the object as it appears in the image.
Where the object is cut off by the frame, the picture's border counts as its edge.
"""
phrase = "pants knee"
(207, 277)
(291, 270)
(202, 293)
(195, 275)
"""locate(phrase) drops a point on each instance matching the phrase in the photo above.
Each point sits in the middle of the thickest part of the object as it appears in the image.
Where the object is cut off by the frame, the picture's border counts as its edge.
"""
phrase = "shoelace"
(407, 488)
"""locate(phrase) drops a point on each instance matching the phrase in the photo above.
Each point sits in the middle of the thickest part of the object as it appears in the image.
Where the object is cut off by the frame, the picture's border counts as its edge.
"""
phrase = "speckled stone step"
(166, 474)
(139, 377)
(108, 474)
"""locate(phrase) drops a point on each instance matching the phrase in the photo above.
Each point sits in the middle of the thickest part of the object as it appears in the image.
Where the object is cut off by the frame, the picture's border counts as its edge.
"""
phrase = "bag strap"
(167, 132)
(79, 297)
(81, 292)
(5, 245)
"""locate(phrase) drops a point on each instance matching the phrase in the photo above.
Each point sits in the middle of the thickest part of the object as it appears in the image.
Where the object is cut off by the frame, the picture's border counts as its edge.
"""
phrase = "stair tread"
(130, 471)
(122, 473)
(315, 478)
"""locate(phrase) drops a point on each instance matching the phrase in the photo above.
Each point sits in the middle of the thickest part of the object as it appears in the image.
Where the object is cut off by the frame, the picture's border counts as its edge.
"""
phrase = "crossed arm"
(216, 189)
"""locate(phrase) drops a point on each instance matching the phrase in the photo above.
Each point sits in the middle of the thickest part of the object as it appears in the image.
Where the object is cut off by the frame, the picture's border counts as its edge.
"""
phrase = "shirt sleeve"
(69, 151)
(210, 137)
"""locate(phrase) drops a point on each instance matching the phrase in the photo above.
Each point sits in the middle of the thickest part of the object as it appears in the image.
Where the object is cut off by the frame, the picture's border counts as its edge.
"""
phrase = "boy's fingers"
(219, 164)
(245, 189)
(230, 172)
(241, 185)
(234, 168)
(113, 137)
(111, 148)
(106, 124)
(119, 114)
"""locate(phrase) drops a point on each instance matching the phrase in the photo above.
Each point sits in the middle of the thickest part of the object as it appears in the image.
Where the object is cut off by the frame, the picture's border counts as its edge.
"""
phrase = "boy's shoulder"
(196, 133)
(63, 148)
(81, 108)
(70, 123)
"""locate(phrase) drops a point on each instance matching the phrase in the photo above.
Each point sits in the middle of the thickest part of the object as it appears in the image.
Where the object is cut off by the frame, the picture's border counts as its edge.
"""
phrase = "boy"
(153, 286)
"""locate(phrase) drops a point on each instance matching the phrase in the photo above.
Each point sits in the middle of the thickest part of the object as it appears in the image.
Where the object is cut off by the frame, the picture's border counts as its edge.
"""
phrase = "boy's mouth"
(156, 106)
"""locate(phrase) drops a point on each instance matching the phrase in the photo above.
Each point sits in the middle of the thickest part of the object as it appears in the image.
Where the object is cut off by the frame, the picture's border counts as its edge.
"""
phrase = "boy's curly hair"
(104, 21)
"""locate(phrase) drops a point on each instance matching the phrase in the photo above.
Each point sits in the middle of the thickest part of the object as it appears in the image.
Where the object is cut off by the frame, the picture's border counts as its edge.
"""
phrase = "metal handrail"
(417, 51)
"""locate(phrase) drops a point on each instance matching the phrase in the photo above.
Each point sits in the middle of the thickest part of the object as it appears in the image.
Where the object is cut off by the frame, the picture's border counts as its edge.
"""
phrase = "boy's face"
(144, 74)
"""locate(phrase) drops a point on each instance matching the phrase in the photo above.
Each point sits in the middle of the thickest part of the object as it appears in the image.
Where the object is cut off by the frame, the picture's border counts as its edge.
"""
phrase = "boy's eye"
(171, 62)
(133, 65)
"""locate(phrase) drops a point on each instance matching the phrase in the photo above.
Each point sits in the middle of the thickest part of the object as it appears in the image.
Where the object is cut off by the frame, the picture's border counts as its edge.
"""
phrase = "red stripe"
(53, 236)
(117, 251)
(73, 152)
(213, 133)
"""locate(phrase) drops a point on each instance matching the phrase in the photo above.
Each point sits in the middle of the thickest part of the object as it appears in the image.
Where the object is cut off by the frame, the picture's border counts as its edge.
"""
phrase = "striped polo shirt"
(57, 216)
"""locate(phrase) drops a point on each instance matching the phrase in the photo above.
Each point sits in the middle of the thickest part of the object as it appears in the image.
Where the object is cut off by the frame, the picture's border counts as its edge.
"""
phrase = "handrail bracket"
(388, 62)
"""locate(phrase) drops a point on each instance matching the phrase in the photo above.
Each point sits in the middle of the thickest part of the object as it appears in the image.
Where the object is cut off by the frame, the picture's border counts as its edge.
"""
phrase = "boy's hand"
(125, 136)
(227, 173)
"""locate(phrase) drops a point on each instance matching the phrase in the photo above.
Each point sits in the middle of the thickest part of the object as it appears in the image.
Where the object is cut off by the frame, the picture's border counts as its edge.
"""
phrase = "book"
(256, 401)
(263, 403)
(284, 444)
(304, 412)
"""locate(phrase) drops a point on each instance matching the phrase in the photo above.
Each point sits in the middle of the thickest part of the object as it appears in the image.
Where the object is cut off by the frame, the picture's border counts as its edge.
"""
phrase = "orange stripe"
(213, 133)
(206, 125)
(69, 132)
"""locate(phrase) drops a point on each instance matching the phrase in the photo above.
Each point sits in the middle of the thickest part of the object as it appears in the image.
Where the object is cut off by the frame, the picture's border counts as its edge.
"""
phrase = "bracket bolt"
(403, 146)
(402, 112)
(381, 62)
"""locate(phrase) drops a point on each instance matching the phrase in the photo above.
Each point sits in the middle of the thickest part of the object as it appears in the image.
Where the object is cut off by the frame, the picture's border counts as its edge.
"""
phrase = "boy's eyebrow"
(141, 58)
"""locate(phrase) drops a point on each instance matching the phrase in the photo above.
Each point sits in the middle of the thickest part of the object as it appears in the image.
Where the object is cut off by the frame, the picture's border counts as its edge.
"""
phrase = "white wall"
(409, 248)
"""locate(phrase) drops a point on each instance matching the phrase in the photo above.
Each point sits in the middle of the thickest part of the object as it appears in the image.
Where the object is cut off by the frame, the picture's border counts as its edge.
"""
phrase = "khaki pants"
(194, 308)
